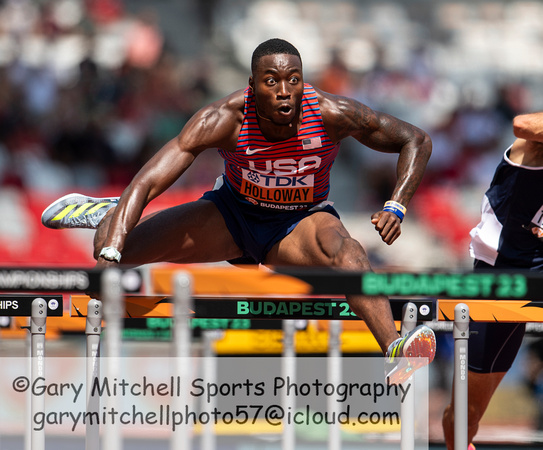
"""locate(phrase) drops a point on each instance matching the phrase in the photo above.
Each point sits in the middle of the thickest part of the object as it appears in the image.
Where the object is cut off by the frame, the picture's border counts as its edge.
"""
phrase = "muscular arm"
(529, 126)
(528, 147)
(345, 117)
(214, 126)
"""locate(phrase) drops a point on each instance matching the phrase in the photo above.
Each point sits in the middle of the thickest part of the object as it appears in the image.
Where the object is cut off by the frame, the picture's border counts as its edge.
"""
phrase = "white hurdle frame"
(407, 430)
(93, 329)
(335, 375)
(113, 313)
(288, 369)
(181, 438)
(461, 336)
(38, 325)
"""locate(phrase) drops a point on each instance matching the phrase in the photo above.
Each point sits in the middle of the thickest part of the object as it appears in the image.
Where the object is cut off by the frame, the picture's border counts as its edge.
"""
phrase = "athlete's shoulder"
(342, 115)
(328, 103)
(227, 110)
(230, 104)
(217, 124)
(322, 96)
(336, 105)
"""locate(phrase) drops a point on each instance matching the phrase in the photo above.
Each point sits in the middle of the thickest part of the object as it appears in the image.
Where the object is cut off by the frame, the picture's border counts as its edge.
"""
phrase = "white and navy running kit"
(268, 188)
(512, 210)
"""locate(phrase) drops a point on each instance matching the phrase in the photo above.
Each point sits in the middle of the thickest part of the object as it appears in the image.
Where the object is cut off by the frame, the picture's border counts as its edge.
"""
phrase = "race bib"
(536, 225)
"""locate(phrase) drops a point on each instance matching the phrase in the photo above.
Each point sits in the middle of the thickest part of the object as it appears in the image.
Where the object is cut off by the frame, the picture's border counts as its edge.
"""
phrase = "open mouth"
(285, 109)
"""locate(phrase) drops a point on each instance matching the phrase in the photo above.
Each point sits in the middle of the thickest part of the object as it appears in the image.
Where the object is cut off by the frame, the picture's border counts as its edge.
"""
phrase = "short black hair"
(273, 46)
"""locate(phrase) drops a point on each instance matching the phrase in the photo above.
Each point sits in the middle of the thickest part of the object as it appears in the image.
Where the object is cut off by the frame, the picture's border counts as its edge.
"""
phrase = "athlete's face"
(278, 86)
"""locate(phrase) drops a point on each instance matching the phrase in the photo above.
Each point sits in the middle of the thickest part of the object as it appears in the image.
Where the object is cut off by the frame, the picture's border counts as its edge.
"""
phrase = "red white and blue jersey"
(293, 174)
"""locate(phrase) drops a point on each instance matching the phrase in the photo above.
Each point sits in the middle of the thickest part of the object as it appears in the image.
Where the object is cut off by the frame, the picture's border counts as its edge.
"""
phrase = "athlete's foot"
(405, 355)
(77, 211)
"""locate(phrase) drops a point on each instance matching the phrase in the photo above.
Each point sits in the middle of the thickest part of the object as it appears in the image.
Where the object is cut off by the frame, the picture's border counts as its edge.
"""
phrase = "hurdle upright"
(37, 336)
(409, 322)
(182, 285)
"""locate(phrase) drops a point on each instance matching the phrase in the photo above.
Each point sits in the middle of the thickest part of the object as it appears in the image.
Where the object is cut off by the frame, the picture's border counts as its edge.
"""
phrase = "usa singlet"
(512, 215)
(291, 175)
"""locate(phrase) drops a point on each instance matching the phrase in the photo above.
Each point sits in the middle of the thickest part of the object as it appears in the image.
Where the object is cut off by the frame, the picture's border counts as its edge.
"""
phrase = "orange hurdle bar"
(494, 310)
(227, 281)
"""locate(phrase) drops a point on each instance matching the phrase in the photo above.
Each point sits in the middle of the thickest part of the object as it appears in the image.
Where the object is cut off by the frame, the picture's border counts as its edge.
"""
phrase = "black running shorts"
(256, 230)
(492, 347)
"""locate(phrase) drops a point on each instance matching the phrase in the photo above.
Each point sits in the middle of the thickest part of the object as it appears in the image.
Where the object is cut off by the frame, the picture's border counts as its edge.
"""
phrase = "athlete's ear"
(251, 84)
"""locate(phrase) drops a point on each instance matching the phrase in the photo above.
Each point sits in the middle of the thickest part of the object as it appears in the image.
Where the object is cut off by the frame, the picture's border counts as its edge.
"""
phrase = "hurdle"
(334, 436)
(182, 301)
(464, 290)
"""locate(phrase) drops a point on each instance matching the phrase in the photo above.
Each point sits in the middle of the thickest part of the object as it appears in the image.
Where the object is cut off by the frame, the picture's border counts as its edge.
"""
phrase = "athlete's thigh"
(319, 240)
(493, 347)
(190, 233)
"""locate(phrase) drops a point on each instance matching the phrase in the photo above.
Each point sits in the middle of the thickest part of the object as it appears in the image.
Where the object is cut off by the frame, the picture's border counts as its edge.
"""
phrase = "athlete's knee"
(351, 255)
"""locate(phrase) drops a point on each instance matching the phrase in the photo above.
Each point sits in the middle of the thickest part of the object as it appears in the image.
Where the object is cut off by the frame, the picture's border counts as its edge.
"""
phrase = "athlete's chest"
(295, 156)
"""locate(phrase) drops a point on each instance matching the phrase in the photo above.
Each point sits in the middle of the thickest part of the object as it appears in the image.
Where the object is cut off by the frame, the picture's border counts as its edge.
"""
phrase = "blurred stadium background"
(90, 89)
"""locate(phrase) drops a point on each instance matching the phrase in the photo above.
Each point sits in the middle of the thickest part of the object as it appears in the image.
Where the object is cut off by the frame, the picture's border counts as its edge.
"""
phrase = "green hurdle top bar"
(21, 305)
(310, 309)
(496, 285)
(480, 285)
(29, 279)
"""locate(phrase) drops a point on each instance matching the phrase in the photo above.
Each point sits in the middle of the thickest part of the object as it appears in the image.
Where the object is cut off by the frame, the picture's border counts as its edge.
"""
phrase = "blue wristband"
(396, 208)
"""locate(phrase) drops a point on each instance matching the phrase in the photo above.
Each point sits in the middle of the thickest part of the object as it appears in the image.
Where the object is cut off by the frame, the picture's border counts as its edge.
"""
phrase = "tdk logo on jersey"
(9, 304)
(270, 181)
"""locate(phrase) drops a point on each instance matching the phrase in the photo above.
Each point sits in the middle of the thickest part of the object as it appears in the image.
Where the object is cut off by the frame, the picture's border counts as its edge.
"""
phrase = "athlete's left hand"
(388, 225)
(538, 232)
